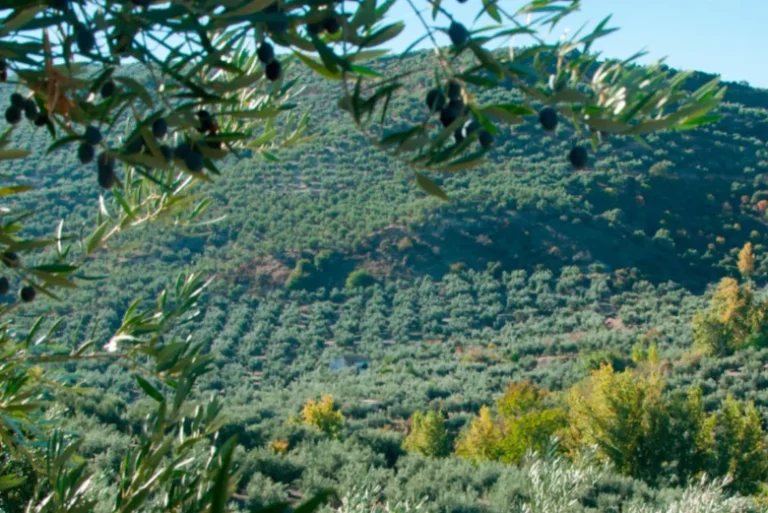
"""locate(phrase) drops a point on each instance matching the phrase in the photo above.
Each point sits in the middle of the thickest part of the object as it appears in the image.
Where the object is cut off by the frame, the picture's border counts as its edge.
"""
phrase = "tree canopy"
(159, 98)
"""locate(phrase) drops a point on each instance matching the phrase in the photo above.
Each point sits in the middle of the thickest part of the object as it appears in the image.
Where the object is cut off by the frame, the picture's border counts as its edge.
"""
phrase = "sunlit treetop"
(154, 94)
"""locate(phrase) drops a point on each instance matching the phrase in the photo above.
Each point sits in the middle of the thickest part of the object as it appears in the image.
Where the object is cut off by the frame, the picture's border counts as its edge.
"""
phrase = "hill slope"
(530, 268)
(675, 211)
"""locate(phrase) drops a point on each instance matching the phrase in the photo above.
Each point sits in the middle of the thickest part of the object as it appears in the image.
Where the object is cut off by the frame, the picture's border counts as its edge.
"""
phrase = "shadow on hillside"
(532, 239)
(527, 242)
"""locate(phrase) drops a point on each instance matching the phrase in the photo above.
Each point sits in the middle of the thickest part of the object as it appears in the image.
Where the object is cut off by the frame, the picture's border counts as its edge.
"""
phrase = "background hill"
(676, 211)
(528, 270)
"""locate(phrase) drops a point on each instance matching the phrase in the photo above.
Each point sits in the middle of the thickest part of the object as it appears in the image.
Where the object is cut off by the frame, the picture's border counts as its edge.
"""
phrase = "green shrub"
(302, 276)
(526, 423)
(323, 260)
(428, 435)
(740, 445)
(359, 278)
(654, 436)
(387, 443)
(593, 360)
(262, 491)
(628, 418)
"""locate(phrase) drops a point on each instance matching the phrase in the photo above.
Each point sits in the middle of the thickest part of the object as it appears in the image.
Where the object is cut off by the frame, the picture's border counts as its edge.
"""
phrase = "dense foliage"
(356, 331)
(736, 317)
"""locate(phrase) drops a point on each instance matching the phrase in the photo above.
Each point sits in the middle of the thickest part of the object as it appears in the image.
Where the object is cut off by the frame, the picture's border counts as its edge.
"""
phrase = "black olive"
(458, 33)
(331, 25)
(548, 118)
(160, 128)
(265, 53)
(108, 89)
(454, 90)
(13, 114)
(578, 157)
(86, 41)
(274, 70)
(11, 259)
(93, 135)
(85, 153)
(206, 121)
(485, 138)
(105, 165)
(30, 109)
(17, 100)
(27, 293)
(449, 114)
(194, 161)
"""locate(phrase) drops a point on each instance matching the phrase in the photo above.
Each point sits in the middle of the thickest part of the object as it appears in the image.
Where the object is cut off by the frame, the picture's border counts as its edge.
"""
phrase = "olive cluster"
(266, 55)
(448, 102)
(328, 22)
(578, 156)
(105, 163)
(24, 106)
(85, 37)
(454, 107)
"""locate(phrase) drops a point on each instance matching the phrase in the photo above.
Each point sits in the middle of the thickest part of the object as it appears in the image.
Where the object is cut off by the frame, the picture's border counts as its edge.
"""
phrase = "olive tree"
(219, 86)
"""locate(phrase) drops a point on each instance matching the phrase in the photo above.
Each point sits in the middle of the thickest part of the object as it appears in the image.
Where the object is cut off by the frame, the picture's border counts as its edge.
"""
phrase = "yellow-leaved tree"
(323, 415)
(740, 445)
(736, 318)
(647, 433)
(428, 435)
(625, 416)
(481, 440)
(526, 421)
(746, 261)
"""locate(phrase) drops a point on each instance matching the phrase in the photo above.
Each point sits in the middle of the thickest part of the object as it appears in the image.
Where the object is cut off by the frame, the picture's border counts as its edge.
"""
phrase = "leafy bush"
(367, 500)
(387, 443)
(481, 440)
(739, 445)
(263, 491)
(428, 434)
(530, 432)
(647, 434)
(323, 415)
(595, 359)
(625, 416)
(525, 424)
(302, 276)
(735, 319)
(520, 398)
(323, 260)
(359, 278)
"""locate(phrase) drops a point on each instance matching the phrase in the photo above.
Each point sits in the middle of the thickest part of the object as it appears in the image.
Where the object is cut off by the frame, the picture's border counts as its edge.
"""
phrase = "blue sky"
(728, 37)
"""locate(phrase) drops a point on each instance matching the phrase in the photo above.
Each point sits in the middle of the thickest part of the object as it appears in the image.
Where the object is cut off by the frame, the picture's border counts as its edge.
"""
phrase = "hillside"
(525, 273)
(627, 211)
